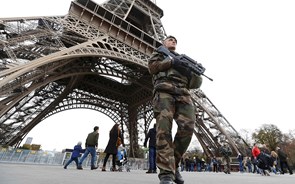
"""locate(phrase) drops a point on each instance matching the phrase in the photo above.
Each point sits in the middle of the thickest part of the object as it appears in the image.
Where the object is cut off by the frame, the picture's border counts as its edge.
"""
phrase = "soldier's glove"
(181, 66)
(176, 62)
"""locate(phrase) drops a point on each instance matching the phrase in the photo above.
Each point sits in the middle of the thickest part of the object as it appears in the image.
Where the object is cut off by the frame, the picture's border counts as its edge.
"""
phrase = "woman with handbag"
(116, 139)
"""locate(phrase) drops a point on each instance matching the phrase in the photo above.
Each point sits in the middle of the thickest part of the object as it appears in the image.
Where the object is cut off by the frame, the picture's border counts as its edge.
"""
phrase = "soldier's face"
(170, 43)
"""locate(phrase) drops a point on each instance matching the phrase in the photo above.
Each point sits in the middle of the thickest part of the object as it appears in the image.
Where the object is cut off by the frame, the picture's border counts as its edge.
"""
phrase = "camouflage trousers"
(167, 108)
(226, 161)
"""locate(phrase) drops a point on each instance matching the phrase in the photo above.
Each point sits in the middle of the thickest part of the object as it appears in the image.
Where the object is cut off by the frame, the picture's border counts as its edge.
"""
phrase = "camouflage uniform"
(226, 152)
(171, 101)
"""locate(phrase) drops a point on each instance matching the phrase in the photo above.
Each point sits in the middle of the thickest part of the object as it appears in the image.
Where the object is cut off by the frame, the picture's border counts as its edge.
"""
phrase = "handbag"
(119, 140)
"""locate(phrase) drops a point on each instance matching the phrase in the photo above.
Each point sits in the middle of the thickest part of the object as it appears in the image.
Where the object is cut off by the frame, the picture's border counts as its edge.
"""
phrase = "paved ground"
(44, 174)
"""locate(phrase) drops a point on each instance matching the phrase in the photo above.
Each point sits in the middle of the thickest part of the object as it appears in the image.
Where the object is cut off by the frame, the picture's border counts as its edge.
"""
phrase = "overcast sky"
(246, 46)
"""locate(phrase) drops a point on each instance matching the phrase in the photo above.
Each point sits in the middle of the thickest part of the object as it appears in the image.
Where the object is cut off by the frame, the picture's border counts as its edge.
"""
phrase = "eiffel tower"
(94, 57)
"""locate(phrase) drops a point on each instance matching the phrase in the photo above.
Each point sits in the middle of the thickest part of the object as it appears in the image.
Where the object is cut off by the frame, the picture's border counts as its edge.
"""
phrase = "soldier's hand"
(176, 62)
(181, 66)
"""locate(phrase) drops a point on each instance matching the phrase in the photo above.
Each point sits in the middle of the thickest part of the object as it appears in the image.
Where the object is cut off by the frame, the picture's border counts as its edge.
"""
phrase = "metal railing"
(31, 156)
(60, 158)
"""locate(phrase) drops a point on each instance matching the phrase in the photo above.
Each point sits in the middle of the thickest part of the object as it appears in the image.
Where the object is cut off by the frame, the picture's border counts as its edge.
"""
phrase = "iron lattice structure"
(94, 57)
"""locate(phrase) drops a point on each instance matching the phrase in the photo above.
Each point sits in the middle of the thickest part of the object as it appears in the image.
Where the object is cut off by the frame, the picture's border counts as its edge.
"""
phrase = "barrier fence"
(60, 158)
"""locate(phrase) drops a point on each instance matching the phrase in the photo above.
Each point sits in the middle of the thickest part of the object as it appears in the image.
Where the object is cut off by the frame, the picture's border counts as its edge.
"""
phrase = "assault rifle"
(193, 65)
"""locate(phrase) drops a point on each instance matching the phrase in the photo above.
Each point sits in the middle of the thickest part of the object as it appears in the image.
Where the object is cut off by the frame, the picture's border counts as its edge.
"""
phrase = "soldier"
(226, 152)
(172, 100)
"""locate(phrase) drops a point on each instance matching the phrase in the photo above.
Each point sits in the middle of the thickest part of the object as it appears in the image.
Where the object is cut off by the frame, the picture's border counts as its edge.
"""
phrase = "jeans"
(199, 167)
(88, 150)
(241, 166)
(70, 161)
(152, 158)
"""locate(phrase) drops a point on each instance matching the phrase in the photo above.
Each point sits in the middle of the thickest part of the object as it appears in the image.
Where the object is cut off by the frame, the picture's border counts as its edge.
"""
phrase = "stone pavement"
(11, 173)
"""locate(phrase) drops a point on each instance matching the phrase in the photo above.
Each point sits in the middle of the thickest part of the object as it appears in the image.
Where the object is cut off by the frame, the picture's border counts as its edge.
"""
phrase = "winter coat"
(282, 156)
(76, 152)
(111, 147)
(255, 151)
(152, 138)
(265, 161)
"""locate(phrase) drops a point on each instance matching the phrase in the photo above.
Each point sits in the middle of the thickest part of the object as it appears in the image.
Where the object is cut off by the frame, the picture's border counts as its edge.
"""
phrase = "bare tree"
(268, 134)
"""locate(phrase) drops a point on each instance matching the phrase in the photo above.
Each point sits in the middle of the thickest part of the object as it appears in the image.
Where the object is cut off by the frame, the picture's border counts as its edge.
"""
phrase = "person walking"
(172, 101)
(259, 162)
(214, 163)
(274, 157)
(249, 164)
(283, 159)
(75, 155)
(115, 140)
(254, 162)
(226, 152)
(240, 158)
(264, 161)
(91, 145)
(151, 136)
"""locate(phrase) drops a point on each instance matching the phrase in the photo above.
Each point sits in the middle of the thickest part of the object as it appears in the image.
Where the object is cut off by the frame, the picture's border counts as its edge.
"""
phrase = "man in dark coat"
(283, 160)
(151, 136)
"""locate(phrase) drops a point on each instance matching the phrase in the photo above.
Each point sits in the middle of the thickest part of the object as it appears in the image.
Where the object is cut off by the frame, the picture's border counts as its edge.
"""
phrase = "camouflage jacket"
(165, 78)
(225, 151)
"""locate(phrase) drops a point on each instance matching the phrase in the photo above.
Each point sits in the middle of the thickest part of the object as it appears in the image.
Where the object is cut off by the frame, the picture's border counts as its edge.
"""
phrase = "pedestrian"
(172, 101)
(198, 163)
(214, 163)
(203, 164)
(192, 164)
(226, 152)
(256, 155)
(264, 160)
(187, 163)
(151, 137)
(240, 158)
(91, 146)
(182, 164)
(75, 154)
(254, 162)
(249, 164)
(115, 140)
(264, 149)
(274, 157)
(283, 159)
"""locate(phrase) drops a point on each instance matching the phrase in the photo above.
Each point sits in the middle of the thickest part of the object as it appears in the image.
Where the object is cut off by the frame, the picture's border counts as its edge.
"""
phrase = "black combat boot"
(166, 179)
(178, 177)
(149, 171)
